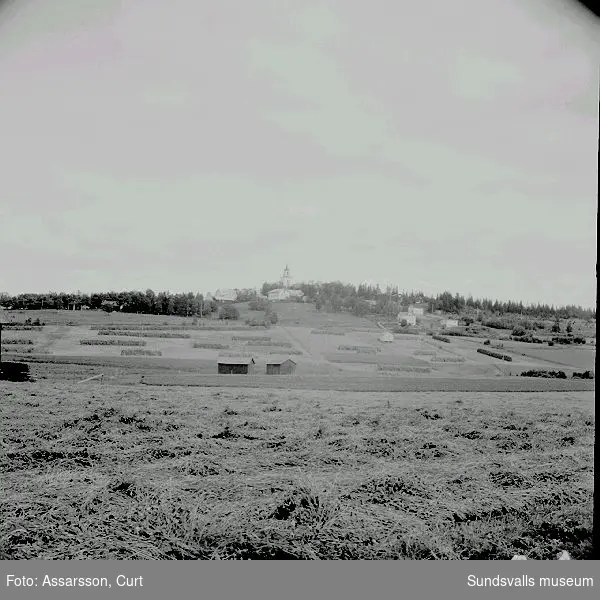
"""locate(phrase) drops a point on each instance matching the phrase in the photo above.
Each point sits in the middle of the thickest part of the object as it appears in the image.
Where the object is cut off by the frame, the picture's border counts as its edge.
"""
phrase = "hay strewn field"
(117, 472)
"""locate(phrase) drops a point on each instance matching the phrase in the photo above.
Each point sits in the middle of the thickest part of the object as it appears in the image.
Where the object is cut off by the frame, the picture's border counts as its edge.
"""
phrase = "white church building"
(285, 291)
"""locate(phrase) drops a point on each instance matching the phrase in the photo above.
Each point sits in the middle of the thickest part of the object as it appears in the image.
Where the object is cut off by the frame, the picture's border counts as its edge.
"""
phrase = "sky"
(190, 145)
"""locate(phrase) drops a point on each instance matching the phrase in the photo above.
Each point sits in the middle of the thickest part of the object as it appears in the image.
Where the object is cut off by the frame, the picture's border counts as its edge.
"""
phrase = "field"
(115, 472)
(165, 459)
(180, 340)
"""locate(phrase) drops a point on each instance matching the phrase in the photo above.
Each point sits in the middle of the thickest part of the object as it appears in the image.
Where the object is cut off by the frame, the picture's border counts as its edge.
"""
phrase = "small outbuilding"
(386, 337)
(235, 365)
(280, 366)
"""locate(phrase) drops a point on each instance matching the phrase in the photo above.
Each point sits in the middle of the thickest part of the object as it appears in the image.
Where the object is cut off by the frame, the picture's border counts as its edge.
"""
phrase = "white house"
(225, 295)
(417, 309)
(409, 318)
(449, 323)
(278, 294)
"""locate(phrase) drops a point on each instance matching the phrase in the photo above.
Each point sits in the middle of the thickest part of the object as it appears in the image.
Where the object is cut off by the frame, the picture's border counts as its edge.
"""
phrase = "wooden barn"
(280, 366)
(235, 365)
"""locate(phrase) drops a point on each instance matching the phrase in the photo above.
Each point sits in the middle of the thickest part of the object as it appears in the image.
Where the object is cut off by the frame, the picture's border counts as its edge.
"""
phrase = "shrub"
(273, 318)
(550, 343)
(257, 323)
(441, 338)
(487, 342)
(229, 312)
(584, 375)
(258, 304)
(519, 331)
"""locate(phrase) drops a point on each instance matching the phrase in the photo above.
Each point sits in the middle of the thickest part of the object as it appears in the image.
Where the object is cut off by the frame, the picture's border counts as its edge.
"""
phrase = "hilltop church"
(284, 291)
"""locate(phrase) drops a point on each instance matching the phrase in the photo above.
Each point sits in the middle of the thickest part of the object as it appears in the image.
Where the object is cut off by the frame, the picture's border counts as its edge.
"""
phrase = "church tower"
(286, 280)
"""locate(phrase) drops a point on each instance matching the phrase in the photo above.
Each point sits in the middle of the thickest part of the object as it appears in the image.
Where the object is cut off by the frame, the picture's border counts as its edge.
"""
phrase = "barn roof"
(279, 360)
(235, 360)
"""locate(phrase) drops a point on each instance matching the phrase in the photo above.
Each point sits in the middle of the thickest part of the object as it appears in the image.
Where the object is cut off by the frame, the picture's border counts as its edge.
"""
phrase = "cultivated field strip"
(349, 383)
(146, 334)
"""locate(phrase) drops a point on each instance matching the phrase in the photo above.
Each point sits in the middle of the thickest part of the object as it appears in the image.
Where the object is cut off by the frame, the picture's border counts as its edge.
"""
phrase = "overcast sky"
(190, 145)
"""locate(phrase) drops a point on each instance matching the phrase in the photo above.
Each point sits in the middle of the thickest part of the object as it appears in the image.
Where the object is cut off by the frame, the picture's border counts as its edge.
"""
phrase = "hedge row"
(113, 342)
(404, 369)
(210, 345)
(441, 338)
(569, 340)
(320, 332)
(448, 359)
(365, 349)
(542, 373)
(261, 343)
(138, 352)
(18, 341)
(495, 354)
(18, 349)
(132, 327)
(147, 334)
(527, 338)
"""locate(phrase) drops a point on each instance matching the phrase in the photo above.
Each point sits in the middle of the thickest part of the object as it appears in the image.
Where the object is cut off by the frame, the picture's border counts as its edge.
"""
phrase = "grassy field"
(121, 472)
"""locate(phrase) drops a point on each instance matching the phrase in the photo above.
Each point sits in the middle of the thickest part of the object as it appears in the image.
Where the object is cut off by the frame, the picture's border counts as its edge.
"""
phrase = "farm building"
(235, 365)
(409, 318)
(280, 366)
(386, 337)
(226, 295)
(417, 309)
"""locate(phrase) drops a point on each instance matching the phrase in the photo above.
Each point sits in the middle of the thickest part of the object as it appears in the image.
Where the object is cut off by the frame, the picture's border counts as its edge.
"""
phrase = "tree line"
(148, 302)
(365, 299)
(329, 296)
